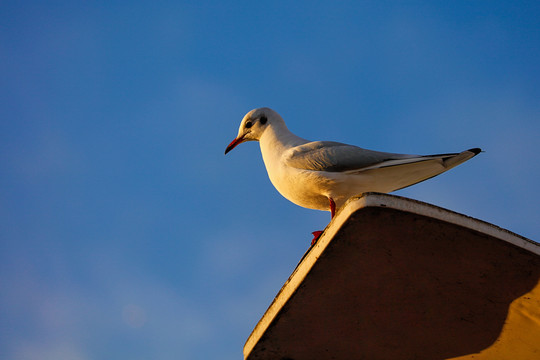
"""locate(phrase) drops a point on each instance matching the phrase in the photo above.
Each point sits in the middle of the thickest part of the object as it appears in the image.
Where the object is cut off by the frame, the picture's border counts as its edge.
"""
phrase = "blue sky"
(124, 230)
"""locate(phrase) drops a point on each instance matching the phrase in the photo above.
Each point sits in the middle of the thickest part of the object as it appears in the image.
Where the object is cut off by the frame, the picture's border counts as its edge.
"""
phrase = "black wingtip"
(475, 151)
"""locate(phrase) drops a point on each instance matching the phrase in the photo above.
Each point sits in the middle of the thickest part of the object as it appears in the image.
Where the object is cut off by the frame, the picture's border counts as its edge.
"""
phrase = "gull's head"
(253, 126)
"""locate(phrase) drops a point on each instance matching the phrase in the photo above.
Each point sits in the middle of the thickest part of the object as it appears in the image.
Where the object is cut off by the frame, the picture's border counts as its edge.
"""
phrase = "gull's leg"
(317, 234)
(332, 207)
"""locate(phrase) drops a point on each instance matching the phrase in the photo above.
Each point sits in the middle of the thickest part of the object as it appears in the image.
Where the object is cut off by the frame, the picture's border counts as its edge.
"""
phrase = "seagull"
(322, 175)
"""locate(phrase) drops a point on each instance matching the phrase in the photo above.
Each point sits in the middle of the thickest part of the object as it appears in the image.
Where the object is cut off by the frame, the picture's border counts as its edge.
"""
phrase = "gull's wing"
(337, 157)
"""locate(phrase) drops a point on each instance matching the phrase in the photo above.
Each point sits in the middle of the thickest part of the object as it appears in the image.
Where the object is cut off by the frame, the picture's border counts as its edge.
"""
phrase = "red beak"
(233, 144)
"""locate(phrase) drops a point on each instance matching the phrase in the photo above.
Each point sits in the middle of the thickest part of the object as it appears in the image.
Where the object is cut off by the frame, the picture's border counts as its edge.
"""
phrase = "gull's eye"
(248, 124)
(263, 120)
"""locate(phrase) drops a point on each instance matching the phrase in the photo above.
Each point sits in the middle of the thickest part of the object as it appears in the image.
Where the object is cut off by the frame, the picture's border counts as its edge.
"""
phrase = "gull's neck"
(274, 142)
(277, 139)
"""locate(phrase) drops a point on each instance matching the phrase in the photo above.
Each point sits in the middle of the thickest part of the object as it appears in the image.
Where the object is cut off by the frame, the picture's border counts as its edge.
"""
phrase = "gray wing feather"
(337, 157)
